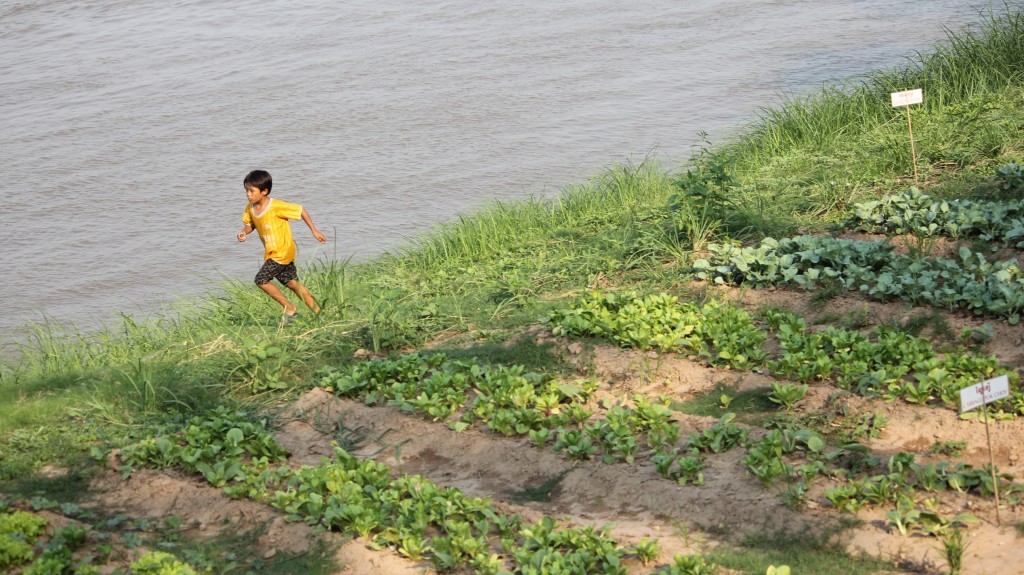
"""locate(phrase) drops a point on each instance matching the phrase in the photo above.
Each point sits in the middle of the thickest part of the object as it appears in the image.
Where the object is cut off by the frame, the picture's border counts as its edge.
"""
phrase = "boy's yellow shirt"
(274, 230)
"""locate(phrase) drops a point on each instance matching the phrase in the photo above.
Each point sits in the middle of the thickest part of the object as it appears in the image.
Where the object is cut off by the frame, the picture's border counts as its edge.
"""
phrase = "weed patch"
(749, 405)
(541, 492)
(803, 552)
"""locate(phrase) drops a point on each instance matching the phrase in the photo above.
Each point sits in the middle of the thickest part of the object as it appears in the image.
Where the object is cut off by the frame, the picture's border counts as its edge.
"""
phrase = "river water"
(128, 125)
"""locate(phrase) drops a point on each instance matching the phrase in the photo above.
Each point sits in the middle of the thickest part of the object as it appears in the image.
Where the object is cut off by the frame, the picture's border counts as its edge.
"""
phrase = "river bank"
(382, 120)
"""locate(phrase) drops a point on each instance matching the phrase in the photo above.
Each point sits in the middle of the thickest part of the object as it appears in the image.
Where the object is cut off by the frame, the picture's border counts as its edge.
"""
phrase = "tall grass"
(183, 361)
(968, 64)
(613, 196)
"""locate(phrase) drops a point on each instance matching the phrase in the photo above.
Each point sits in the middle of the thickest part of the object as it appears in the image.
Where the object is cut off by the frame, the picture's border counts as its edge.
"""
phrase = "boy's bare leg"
(272, 291)
(303, 293)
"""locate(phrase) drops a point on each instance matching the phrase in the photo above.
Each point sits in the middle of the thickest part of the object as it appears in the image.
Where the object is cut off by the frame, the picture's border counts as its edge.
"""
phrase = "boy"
(269, 217)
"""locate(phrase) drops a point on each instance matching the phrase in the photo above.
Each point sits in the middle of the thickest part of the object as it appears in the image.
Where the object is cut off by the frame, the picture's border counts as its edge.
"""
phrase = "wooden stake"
(991, 461)
(913, 151)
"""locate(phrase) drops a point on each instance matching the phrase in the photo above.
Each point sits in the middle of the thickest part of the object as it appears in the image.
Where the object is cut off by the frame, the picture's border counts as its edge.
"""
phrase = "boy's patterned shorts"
(271, 270)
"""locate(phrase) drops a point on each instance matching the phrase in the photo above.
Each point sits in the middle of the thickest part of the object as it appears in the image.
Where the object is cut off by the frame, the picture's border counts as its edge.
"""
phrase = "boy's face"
(254, 194)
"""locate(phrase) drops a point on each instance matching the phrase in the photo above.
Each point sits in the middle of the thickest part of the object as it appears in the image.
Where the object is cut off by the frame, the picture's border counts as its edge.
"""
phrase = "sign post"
(982, 394)
(906, 98)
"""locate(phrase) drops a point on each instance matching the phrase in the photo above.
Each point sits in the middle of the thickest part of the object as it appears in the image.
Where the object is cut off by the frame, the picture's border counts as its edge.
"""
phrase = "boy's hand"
(319, 237)
(241, 236)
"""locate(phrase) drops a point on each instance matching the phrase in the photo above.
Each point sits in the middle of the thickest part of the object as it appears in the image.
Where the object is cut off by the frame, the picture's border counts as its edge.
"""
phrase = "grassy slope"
(486, 275)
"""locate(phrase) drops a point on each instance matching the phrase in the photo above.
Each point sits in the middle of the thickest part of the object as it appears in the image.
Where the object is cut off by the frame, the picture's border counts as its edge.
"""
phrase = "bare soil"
(636, 501)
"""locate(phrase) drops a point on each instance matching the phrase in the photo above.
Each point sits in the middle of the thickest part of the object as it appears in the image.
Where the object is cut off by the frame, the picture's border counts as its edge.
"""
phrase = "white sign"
(984, 392)
(907, 98)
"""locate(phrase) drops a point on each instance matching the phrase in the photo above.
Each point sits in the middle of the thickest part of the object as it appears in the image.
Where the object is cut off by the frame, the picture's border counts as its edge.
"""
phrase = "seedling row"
(792, 456)
(873, 268)
(885, 362)
(968, 282)
(408, 514)
(914, 212)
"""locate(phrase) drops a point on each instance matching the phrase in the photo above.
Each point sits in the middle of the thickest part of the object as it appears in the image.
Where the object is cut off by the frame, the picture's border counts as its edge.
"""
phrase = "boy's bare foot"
(291, 311)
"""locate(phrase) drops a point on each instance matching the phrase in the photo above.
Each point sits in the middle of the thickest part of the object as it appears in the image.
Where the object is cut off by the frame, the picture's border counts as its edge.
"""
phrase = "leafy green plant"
(720, 437)
(539, 437)
(20, 530)
(927, 477)
(663, 463)
(724, 400)
(795, 493)
(764, 459)
(219, 473)
(646, 550)
(932, 523)
(766, 468)
(576, 444)
(662, 435)
(976, 336)
(1010, 179)
(684, 469)
(48, 564)
(844, 497)
(72, 536)
(883, 489)
(22, 524)
(57, 555)
(14, 551)
(270, 361)
(787, 394)
(389, 324)
(905, 515)
(952, 448)
(690, 470)
(688, 565)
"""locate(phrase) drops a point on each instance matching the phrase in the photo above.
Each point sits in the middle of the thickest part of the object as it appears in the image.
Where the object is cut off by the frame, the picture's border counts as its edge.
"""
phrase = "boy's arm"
(245, 231)
(309, 222)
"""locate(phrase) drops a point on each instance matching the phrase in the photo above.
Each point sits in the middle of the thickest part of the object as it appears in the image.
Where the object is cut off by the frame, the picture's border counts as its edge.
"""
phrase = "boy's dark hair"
(259, 179)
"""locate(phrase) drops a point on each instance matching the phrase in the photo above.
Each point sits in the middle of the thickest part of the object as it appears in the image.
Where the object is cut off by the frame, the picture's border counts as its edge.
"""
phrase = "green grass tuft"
(804, 551)
(749, 405)
(542, 492)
